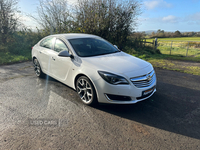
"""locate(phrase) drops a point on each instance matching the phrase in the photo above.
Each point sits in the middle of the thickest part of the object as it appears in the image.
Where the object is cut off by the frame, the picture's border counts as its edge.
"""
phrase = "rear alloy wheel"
(86, 91)
(37, 68)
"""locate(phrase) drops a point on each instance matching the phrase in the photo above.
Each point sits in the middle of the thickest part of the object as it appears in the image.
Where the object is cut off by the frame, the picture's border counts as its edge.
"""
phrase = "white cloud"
(156, 3)
(72, 1)
(151, 4)
(27, 21)
(170, 19)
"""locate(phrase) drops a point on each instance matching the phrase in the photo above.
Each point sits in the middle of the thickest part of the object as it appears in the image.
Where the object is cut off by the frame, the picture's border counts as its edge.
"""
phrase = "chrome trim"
(130, 102)
(116, 100)
(144, 77)
(145, 80)
(107, 97)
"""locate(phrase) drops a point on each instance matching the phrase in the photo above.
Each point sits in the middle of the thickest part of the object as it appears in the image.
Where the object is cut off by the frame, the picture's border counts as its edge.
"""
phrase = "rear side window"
(60, 46)
(47, 43)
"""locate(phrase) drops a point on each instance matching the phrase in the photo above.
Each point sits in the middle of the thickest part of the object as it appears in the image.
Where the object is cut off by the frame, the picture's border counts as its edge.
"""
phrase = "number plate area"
(148, 92)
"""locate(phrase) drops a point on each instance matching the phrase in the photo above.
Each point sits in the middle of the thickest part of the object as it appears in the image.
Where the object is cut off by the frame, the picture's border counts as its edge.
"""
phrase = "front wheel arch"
(81, 74)
(95, 102)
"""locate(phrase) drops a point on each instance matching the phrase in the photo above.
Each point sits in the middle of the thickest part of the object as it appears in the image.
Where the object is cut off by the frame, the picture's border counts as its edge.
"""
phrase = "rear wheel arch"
(33, 58)
(37, 68)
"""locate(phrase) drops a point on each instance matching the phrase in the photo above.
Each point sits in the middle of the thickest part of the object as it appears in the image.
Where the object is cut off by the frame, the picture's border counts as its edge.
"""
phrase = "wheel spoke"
(89, 94)
(37, 67)
(84, 90)
(88, 88)
(37, 70)
(81, 82)
(80, 90)
(84, 97)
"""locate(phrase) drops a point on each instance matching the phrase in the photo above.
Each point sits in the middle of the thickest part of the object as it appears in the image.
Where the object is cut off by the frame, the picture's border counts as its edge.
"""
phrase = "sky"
(167, 15)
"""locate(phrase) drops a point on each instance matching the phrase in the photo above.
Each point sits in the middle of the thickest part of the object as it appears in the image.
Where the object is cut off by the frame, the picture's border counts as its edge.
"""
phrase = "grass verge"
(182, 64)
(8, 58)
(189, 65)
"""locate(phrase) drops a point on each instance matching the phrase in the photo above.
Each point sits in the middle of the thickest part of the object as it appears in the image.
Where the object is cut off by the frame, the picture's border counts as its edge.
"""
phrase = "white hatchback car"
(96, 69)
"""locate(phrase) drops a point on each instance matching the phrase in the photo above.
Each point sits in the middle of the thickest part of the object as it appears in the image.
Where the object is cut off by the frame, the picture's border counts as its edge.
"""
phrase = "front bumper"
(131, 92)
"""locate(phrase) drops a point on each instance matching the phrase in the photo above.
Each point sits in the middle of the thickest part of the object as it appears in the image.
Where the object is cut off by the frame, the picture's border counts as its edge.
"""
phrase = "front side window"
(47, 43)
(87, 47)
(60, 46)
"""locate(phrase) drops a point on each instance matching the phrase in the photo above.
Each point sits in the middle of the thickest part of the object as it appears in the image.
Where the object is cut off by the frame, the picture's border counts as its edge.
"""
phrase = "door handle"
(40, 52)
(53, 58)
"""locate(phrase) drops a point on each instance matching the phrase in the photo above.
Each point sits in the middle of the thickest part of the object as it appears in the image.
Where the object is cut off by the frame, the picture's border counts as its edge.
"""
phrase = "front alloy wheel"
(37, 68)
(86, 91)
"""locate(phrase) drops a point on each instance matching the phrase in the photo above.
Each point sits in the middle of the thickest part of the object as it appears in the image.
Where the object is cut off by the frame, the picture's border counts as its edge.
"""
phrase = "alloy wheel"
(84, 90)
(37, 68)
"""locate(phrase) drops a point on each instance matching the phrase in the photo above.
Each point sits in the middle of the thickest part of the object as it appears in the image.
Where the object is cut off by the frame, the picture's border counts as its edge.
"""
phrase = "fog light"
(118, 97)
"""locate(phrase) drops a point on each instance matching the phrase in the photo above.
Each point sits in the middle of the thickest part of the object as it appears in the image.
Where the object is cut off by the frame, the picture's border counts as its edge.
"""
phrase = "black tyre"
(86, 91)
(37, 68)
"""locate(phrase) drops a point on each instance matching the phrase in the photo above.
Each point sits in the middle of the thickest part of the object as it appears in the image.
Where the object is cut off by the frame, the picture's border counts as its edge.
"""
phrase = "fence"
(143, 42)
(181, 48)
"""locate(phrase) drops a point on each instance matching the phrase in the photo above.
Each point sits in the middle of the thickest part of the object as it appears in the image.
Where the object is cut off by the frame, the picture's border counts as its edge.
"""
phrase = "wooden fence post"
(187, 49)
(153, 44)
(171, 48)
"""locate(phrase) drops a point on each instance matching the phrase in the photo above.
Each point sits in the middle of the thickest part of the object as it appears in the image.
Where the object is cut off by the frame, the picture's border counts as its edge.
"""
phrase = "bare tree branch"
(53, 14)
(8, 19)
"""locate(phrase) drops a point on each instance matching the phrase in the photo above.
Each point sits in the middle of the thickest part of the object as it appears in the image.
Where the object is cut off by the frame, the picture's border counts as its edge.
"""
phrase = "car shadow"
(172, 108)
(167, 111)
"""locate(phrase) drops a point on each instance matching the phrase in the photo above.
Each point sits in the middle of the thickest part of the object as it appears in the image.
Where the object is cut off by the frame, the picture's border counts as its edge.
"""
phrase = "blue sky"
(168, 15)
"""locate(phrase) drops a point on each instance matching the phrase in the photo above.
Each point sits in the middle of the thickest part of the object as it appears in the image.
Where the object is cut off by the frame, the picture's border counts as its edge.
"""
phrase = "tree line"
(113, 20)
(162, 34)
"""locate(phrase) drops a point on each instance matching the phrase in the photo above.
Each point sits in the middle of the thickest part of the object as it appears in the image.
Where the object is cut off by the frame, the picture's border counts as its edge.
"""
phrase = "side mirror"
(116, 46)
(65, 54)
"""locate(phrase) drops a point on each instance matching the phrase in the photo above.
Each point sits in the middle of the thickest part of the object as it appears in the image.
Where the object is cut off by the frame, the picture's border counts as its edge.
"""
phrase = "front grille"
(145, 80)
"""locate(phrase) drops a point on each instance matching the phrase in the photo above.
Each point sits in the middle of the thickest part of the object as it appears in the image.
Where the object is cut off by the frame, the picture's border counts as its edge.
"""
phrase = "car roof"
(75, 35)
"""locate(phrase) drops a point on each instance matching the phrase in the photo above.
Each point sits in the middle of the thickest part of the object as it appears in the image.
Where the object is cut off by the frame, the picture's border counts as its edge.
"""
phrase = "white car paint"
(66, 69)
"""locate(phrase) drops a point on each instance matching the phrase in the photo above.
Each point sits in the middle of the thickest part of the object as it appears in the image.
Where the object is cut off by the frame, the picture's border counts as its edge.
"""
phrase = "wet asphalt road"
(40, 114)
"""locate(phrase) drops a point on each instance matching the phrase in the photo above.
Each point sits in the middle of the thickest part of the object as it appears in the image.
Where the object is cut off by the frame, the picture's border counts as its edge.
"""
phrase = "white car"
(96, 69)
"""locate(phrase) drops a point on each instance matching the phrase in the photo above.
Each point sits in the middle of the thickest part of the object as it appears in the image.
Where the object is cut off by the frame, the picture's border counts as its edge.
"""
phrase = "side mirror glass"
(64, 54)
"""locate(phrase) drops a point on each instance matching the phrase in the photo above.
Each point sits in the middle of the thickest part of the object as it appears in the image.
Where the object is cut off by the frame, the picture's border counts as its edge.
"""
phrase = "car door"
(60, 66)
(45, 49)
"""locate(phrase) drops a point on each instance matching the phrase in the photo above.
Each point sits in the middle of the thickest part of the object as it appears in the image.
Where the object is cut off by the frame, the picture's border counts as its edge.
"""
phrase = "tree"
(8, 20)
(160, 33)
(138, 35)
(113, 20)
(53, 15)
(177, 33)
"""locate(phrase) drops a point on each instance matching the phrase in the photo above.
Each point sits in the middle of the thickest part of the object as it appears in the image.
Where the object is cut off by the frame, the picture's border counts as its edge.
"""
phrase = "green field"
(176, 39)
(184, 46)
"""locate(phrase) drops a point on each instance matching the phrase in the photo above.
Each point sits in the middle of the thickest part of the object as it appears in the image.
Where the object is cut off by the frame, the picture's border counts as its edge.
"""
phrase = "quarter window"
(60, 46)
(47, 43)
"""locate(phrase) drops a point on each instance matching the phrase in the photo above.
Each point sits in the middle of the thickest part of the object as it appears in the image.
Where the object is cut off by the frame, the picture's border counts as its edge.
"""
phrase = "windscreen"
(87, 47)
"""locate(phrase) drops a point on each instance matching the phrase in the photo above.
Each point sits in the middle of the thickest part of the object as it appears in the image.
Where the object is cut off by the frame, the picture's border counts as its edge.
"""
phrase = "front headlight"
(112, 78)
